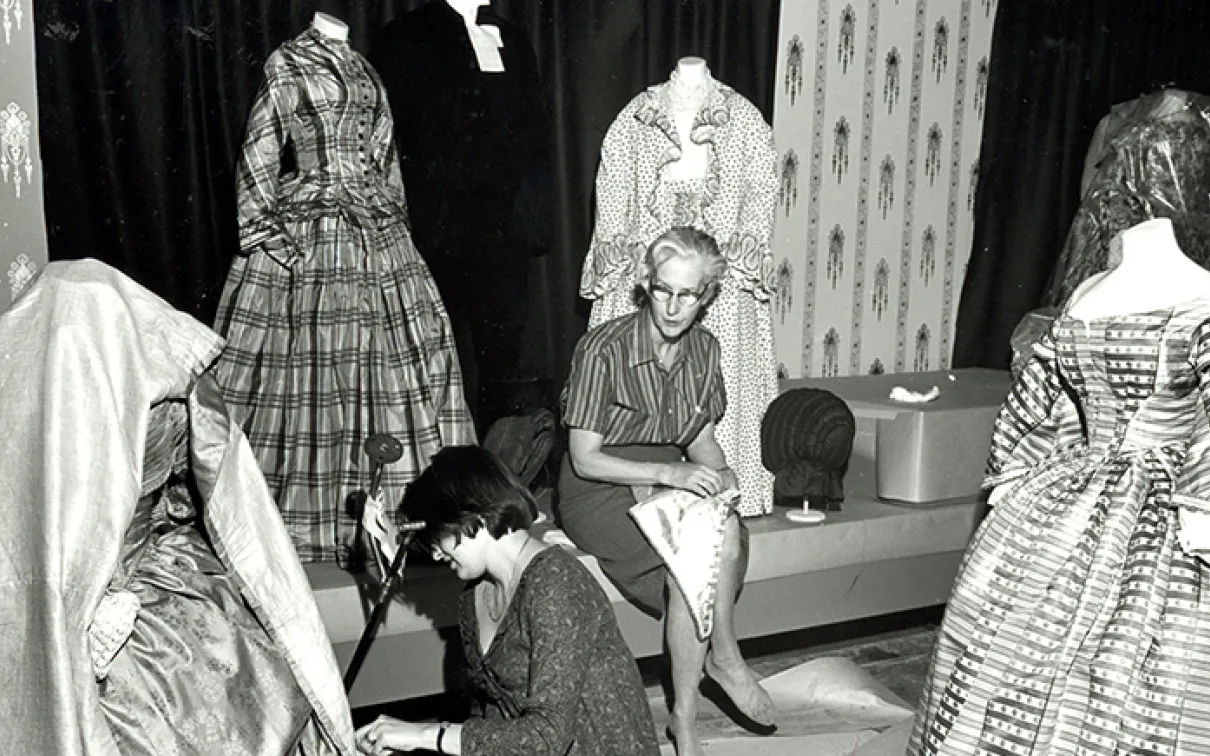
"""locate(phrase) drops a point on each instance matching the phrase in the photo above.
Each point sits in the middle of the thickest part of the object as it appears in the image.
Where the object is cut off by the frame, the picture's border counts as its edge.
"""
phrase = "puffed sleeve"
(612, 254)
(589, 390)
(1191, 494)
(750, 254)
(260, 160)
(1032, 419)
(562, 619)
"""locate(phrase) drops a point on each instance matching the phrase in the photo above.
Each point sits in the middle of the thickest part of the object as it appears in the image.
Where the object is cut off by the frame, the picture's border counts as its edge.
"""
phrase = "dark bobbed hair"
(466, 488)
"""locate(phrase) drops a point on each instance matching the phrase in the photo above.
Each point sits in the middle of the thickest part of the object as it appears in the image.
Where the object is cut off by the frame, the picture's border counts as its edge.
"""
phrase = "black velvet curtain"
(143, 105)
(1057, 66)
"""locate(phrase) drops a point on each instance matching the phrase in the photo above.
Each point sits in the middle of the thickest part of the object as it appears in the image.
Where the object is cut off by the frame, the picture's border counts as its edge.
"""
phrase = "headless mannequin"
(484, 39)
(688, 93)
(468, 9)
(330, 26)
(1148, 272)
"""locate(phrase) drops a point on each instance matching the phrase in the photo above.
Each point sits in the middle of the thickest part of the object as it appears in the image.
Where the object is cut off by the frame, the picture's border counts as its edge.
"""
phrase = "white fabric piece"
(486, 41)
(110, 628)
(686, 530)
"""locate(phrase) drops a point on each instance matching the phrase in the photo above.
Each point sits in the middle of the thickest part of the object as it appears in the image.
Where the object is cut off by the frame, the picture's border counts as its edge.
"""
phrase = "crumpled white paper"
(825, 707)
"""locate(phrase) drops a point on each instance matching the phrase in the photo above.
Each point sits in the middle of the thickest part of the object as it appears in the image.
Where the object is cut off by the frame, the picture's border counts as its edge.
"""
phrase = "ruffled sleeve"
(260, 160)
(749, 253)
(612, 254)
(1031, 421)
(1191, 493)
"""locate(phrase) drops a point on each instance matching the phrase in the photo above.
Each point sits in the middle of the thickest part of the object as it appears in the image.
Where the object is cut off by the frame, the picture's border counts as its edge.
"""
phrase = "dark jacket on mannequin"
(473, 150)
(472, 145)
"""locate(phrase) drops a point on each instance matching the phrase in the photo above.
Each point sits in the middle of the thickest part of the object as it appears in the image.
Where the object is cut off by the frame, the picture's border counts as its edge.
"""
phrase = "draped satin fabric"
(687, 531)
(84, 354)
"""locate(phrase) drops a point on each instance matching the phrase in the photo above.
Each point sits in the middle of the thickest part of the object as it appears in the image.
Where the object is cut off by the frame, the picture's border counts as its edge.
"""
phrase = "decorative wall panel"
(878, 116)
(22, 223)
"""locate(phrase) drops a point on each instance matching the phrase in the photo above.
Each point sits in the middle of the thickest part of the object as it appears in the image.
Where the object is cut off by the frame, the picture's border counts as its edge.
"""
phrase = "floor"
(893, 650)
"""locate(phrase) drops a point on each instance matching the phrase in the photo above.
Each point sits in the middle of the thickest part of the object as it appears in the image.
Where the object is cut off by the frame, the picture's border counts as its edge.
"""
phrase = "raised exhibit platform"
(875, 557)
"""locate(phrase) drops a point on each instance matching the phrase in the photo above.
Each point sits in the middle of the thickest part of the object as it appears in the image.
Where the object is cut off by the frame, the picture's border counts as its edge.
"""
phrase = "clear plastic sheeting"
(1149, 158)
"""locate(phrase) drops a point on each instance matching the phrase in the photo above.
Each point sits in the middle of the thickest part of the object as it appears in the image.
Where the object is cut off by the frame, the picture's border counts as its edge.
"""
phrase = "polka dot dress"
(734, 203)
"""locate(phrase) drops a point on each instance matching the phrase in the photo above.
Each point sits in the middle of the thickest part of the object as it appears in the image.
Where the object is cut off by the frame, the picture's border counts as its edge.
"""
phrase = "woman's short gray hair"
(685, 243)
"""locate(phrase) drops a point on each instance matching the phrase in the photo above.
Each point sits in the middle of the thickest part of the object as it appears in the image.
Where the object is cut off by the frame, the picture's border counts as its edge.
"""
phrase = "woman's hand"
(730, 479)
(690, 476)
(386, 735)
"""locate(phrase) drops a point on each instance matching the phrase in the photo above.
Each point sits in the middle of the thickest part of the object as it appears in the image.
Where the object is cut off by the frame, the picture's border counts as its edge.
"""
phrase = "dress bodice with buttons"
(323, 101)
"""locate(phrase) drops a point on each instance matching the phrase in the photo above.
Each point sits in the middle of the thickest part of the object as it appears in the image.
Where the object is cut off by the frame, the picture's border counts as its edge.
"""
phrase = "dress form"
(485, 40)
(689, 90)
(1148, 272)
(330, 26)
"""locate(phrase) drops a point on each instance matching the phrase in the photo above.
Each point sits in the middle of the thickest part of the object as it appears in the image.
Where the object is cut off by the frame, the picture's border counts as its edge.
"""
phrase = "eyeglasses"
(662, 294)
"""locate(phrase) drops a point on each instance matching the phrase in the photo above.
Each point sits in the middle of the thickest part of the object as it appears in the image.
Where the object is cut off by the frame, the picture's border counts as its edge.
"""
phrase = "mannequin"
(1079, 599)
(486, 40)
(468, 9)
(1148, 271)
(334, 327)
(476, 164)
(687, 94)
(330, 26)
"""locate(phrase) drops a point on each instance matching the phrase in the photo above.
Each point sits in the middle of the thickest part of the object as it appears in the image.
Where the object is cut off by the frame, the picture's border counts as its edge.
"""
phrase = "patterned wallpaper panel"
(877, 117)
(22, 223)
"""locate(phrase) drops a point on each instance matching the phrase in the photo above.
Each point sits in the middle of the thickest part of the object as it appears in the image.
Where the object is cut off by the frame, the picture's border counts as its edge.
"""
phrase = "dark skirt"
(595, 516)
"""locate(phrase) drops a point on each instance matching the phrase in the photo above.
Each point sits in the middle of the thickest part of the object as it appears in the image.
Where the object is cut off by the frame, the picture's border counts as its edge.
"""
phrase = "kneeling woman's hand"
(386, 735)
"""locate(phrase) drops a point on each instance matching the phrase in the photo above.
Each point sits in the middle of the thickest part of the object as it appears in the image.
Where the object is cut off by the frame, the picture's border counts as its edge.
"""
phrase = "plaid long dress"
(1078, 623)
(334, 326)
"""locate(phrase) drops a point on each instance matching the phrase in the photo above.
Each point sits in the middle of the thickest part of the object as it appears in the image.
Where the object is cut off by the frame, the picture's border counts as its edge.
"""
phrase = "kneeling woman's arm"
(562, 616)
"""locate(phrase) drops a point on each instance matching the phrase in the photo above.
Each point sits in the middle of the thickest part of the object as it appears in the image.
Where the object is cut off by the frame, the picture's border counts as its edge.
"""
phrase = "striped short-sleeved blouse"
(618, 388)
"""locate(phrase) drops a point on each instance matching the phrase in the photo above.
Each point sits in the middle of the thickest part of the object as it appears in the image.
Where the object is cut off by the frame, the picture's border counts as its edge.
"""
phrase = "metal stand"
(389, 581)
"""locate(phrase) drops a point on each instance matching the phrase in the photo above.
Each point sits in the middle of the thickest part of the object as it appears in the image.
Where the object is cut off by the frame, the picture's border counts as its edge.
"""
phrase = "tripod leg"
(389, 581)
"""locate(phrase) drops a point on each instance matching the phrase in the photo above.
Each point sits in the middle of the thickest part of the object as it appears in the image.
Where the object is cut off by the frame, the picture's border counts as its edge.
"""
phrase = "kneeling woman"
(552, 673)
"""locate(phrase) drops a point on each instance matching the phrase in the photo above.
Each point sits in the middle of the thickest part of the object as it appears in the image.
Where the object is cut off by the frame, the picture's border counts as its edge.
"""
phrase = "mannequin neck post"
(691, 71)
(468, 9)
(330, 26)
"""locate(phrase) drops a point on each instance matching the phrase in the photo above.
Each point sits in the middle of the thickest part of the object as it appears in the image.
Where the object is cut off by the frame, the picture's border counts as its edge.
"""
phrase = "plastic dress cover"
(1149, 158)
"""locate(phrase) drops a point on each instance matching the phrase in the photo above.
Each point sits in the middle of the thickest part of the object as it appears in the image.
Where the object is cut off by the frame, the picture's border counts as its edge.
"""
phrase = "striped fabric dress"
(1078, 624)
(334, 326)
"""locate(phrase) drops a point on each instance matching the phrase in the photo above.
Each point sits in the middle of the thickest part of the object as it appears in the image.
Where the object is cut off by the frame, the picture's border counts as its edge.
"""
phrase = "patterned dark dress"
(557, 678)
(341, 331)
(1078, 623)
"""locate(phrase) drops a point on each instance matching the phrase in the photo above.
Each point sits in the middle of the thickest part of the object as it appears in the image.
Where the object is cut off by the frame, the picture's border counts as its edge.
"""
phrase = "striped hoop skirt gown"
(1078, 622)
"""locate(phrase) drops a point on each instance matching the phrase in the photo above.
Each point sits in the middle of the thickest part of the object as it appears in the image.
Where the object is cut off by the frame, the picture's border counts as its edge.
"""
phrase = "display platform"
(874, 557)
(927, 451)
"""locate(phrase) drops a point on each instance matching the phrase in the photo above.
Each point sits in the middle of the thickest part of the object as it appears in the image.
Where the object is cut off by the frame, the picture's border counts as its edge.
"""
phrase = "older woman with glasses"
(643, 396)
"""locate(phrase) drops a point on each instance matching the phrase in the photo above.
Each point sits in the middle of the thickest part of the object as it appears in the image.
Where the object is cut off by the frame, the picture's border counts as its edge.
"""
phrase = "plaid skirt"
(345, 337)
